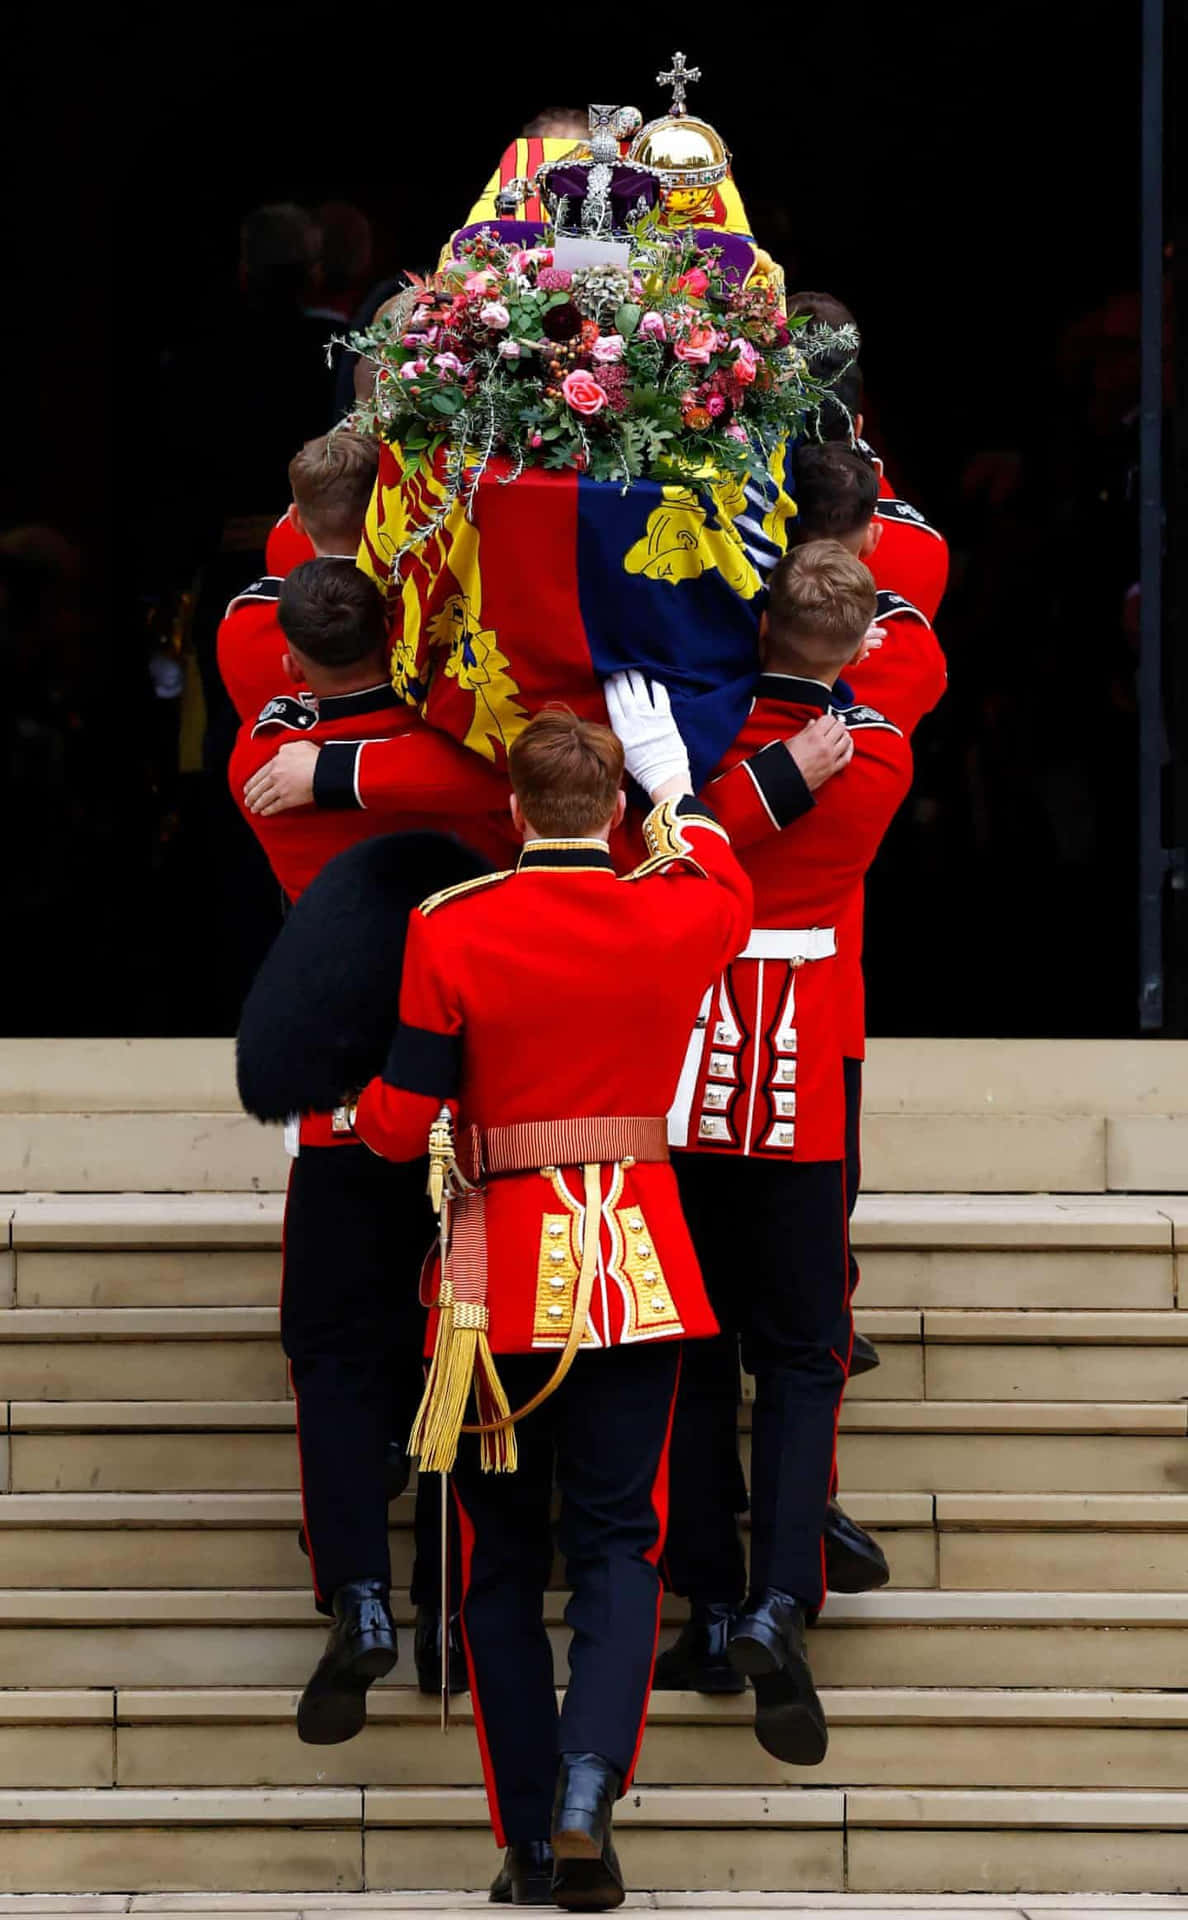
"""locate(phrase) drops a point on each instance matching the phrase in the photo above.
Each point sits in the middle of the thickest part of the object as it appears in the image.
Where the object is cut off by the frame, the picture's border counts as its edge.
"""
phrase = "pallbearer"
(549, 1007)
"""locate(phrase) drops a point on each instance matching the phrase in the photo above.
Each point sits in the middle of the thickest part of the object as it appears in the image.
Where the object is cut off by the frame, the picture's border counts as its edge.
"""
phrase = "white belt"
(790, 943)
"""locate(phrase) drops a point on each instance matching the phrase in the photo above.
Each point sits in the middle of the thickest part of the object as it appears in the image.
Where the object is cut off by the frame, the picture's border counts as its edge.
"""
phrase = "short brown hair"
(820, 602)
(566, 774)
(837, 491)
(332, 480)
(332, 614)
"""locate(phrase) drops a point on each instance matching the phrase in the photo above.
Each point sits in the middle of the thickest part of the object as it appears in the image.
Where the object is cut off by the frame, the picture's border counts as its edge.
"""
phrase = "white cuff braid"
(642, 717)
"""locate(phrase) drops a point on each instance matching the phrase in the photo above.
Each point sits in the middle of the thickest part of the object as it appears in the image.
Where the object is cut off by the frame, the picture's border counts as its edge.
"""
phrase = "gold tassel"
(499, 1452)
(462, 1362)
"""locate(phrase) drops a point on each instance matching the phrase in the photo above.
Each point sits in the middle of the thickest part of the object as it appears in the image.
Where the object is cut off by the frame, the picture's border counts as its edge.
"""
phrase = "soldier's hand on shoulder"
(286, 781)
(821, 750)
(872, 640)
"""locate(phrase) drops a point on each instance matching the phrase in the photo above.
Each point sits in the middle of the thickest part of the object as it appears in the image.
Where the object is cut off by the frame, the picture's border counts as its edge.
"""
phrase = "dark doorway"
(967, 179)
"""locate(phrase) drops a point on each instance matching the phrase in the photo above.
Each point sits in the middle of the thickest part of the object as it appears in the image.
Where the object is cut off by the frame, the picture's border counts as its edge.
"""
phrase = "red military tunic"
(441, 789)
(763, 1075)
(911, 558)
(559, 991)
(251, 647)
(287, 547)
(905, 678)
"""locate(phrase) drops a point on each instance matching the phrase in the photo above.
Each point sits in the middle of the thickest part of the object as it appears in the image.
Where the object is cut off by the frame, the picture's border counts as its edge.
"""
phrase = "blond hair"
(566, 774)
(820, 602)
(332, 479)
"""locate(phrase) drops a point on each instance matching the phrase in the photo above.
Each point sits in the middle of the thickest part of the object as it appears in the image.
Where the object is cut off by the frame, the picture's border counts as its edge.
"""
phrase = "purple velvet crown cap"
(629, 185)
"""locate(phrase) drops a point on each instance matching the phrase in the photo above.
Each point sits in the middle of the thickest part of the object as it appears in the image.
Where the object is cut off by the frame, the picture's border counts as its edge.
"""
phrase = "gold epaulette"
(663, 830)
(460, 891)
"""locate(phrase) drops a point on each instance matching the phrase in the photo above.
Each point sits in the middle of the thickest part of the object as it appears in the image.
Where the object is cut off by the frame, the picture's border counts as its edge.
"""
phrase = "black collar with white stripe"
(342, 706)
(794, 691)
(555, 855)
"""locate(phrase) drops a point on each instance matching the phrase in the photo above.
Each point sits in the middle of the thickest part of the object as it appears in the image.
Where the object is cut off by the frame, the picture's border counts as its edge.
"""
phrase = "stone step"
(885, 1446)
(198, 1637)
(1003, 1253)
(1067, 1116)
(902, 1075)
(128, 1353)
(1009, 1542)
(250, 1539)
(1119, 1542)
(224, 1352)
(178, 1151)
(925, 1737)
(866, 1840)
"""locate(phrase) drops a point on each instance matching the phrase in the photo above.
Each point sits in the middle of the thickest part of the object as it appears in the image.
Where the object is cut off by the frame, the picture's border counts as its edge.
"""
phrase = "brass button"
(636, 1224)
(644, 1250)
(657, 1305)
(556, 1254)
(649, 1276)
(555, 1312)
(556, 1282)
(555, 1229)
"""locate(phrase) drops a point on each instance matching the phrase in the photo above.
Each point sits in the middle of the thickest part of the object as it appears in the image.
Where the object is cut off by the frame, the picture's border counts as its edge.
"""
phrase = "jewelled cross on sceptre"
(678, 77)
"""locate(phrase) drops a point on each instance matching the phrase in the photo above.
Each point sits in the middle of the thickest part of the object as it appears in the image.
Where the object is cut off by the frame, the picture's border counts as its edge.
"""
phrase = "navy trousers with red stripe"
(356, 1231)
(772, 1239)
(604, 1436)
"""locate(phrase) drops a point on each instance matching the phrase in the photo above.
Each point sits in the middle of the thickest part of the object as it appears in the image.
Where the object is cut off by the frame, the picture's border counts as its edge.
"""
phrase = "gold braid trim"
(664, 834)
(460, 891)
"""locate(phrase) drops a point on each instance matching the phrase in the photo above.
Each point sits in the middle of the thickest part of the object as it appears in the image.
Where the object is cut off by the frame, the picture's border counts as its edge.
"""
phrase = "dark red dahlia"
(562, 323)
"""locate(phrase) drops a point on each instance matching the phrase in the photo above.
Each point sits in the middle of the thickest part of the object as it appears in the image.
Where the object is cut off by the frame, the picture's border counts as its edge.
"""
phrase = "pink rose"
(509, 349)
(737, 433)
(695, 283)
(696, 347)
(747, 364)
(426, 337)
(480, 282)
(413, 369)
(715, 406)
(495, 315)
(447, 364)
(583, 393)
(651, 327)
(608, 348)
(537, 440)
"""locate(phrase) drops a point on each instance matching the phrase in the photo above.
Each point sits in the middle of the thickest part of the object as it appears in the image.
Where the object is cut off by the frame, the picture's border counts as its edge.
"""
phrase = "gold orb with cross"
(690, 156)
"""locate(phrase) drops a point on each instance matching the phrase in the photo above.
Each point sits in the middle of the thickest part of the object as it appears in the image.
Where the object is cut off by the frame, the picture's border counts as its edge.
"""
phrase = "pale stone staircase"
(1011, 1713)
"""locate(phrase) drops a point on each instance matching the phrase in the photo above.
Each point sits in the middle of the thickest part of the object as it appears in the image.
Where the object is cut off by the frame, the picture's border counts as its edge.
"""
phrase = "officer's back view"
(550, 1007)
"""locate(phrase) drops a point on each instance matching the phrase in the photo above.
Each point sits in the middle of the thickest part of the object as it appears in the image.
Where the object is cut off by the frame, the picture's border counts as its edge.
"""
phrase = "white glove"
(652, 746)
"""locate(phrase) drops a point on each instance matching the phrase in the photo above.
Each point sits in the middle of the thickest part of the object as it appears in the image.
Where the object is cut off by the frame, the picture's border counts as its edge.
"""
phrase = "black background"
(966, 178)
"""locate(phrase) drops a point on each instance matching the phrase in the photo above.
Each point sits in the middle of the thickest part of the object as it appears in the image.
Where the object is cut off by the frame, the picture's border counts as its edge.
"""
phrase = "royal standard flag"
(552, 581)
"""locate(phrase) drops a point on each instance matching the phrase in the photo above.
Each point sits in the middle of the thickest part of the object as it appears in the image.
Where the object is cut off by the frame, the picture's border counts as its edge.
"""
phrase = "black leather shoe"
(397, 1472)
(526, 1877)
(767, 1645)
(854, 1560)
(361, 1648)
(864, 1356)
(427, 1653)
(587, 1877)
(697, 1661)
